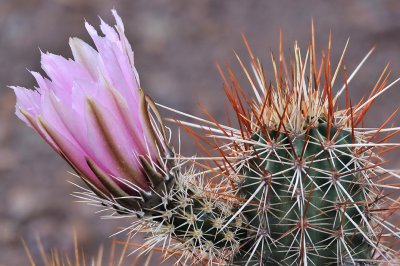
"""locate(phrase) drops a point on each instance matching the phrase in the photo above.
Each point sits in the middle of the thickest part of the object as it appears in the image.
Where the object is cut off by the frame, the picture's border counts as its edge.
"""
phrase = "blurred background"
(176, 44)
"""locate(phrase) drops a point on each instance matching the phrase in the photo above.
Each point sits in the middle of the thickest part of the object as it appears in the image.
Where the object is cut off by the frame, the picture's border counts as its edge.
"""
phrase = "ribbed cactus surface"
(308, 197)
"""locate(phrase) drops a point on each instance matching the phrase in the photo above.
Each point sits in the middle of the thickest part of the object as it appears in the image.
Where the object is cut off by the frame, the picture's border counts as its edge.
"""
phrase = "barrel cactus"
(299, 181)
(309, 182)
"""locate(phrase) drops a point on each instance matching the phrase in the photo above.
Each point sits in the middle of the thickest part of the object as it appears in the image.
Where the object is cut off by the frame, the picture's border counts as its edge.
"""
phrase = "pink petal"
(116, 65)
(111, 142)
(85, 55)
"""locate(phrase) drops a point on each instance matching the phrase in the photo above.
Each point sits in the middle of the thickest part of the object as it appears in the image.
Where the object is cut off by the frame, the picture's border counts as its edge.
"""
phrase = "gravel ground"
(177, 44)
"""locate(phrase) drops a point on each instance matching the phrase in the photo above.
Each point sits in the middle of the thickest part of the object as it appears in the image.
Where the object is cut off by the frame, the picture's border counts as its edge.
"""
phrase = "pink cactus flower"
(92, 111)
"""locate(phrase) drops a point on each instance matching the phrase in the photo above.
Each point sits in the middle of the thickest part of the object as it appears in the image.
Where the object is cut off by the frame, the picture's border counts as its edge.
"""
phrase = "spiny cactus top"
(299, 181)
(309, 181)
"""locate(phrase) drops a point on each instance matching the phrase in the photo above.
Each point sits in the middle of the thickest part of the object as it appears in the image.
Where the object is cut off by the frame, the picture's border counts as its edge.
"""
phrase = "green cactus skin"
(283, 207)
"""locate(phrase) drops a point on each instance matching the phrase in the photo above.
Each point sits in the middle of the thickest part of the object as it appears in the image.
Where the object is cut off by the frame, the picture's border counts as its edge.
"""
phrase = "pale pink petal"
(74, 155)
(110, 34)
(116, 66)
(28, 108)
(125, 44)
(28, 100)
(85, 55)
(50, 115)
(63, 73)
(43, 83)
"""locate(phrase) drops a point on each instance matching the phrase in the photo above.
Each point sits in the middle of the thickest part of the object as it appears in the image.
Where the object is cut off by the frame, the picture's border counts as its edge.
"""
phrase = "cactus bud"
(93, 113)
